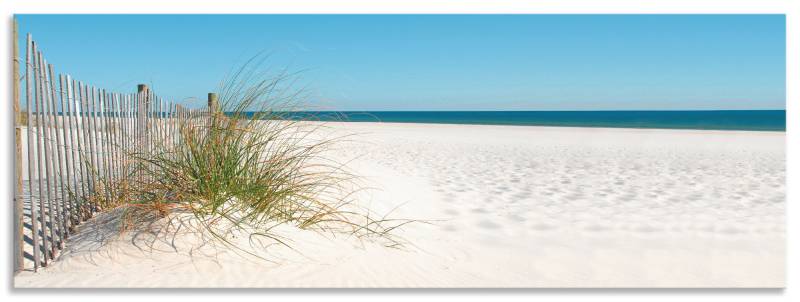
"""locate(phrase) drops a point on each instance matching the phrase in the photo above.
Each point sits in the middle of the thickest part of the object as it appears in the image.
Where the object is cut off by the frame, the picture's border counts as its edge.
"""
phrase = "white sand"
(514, 207)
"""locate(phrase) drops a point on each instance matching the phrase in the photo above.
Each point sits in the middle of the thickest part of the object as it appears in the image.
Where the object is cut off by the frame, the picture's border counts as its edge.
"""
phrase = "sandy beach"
(507, 206)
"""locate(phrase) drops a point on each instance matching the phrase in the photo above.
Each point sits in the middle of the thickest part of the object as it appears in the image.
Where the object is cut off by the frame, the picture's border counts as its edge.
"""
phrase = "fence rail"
(79, 149)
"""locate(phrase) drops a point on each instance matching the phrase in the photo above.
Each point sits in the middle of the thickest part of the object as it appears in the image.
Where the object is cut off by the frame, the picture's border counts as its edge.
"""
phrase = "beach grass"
(247, 167)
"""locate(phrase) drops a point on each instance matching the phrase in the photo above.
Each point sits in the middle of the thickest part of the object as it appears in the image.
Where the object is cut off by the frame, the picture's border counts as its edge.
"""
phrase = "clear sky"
(438, 62)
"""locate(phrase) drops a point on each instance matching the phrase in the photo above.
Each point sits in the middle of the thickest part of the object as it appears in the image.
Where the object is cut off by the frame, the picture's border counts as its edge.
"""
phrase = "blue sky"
(438, 62)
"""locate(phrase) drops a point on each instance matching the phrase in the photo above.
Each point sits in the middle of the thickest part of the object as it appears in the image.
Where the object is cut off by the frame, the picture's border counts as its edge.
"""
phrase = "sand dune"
(510, 206)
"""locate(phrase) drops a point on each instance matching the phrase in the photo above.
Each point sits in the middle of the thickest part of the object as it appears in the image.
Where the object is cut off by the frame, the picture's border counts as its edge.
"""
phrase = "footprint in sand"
(543, 227)
(485, 224)
(450, 228)
(479, 211)
(451, 212)
(517, 218)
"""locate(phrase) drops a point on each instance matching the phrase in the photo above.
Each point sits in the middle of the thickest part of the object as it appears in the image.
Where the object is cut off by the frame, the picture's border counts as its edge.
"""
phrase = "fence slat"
(104, 144)
(94, 146)
(58, 160)
(80, 119)
(32, 161)
(65, 178)
(40, 158)
(71, 160)
(109, 148)
(50, 161)
(125, 137)
(112, 118)
(86, 156)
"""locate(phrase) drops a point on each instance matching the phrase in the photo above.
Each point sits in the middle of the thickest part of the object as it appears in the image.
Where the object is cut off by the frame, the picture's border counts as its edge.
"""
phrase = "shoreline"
(589, 128)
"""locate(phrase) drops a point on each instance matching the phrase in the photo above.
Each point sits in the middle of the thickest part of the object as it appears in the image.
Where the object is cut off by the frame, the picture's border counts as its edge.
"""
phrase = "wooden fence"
(78, 147)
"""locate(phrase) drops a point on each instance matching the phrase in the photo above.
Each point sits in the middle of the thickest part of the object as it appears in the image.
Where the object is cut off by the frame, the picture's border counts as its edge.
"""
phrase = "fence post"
(213, 110)
(18, 199)
(213, 105)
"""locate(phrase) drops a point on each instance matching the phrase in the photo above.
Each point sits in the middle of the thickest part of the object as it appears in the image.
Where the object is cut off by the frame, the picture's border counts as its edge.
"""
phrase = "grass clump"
(250, 167)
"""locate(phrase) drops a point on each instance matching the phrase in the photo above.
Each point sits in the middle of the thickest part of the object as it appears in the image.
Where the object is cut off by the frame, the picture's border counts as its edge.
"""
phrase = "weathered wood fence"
(78, 148)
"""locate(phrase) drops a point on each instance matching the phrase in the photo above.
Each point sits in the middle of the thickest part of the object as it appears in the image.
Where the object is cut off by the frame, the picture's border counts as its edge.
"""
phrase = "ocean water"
(753, 120)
